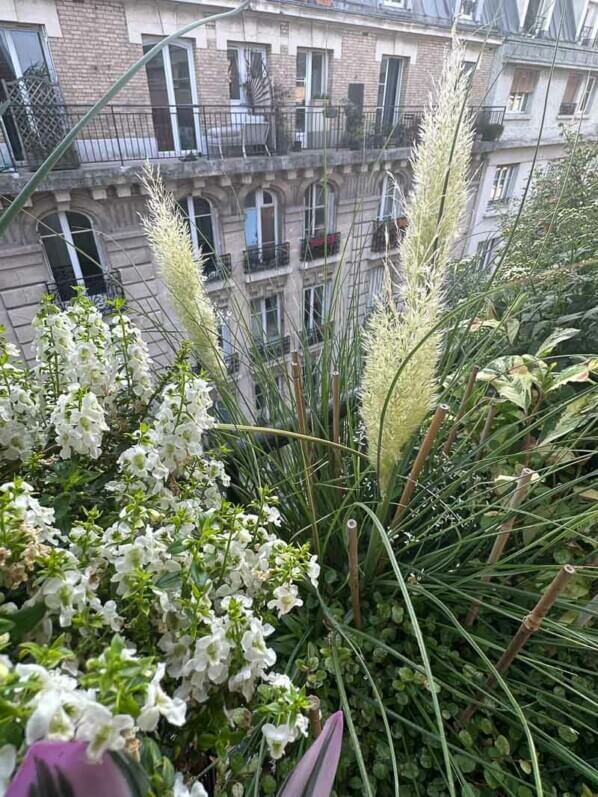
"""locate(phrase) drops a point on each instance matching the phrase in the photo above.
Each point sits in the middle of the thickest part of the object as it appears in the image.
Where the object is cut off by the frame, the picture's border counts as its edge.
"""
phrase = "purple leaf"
(62, 769)
(314, 774)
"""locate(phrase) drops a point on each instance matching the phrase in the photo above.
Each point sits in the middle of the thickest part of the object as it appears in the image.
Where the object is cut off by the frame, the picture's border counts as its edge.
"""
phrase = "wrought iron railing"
(101, 288)
(122, 133)
(567, 108)
(316, 333)
(273, 347)
(488, 121)
(320, 246)
(261, 258)
(217, 267)
(388, 234)
(586, 37)
(232, 362)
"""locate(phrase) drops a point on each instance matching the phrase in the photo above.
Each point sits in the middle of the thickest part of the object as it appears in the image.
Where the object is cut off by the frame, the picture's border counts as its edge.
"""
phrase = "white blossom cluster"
(147, 568)
(20, 431)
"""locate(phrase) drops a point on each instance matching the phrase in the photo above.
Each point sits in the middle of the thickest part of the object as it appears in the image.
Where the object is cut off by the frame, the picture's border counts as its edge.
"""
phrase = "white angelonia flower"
(277, 737)
(243, 681)
(181, 790)
(279, 679)
(79, 423)
(102, 730)
(313, 571)
(131, 358)
(50, 719)
(286, 597)
(158, 703)
(253, 642)
(64, 595)
(8, 760)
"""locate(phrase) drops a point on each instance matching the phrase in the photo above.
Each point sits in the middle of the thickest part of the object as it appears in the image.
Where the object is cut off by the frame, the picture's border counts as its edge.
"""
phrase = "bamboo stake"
(418, 464)
(353, 570)
(336, 420)
(302, 425)
(315, 722)
(518, 496)
(461, 411)
(487, 428)
(530, 624)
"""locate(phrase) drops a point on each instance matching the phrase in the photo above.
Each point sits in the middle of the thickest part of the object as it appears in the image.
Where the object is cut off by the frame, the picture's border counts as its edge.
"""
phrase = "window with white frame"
(261, 228)
(72, 253)
(316, 301)
(467, 8)
(587, 96)
(572, 89)
(534, 20)
(246, 70)
(375, 286)
(486, 251)
(266, 396)
(319, 210)
(502, 185)
(199, 216)
(391, 199)
(522, 90)
(224, 336)
(311, 81)
(266, 318)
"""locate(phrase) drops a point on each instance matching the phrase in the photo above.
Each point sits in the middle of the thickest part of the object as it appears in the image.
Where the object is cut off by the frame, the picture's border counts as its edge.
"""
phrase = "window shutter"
(571, 89)
(524, 81)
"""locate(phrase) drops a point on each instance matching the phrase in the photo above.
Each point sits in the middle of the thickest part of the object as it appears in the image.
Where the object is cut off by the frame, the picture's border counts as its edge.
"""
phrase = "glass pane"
(201, 207)
(234, 82)
(30, 53)
(268, 226)
(267, 198)
(317, 75)
(205, 234)
(382, 81)
(7, 72)
(251, 236)
(89, 260)
(318, 306)
(320, 220)
(156, 81)
(78, 222)
(50, 224)
(59, 260)
(250, 200)
(183, 95)
(272, 327)
(257, 324)
(307, 308)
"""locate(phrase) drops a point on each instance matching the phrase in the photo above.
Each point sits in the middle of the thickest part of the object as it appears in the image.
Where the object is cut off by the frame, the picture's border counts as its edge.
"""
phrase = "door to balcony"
(261, 229)
(310, 98)
(173, 96)
(36, 119)
(389, 93)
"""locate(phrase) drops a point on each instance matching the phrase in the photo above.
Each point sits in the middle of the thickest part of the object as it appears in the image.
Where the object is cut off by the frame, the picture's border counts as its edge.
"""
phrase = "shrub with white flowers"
(137, 605)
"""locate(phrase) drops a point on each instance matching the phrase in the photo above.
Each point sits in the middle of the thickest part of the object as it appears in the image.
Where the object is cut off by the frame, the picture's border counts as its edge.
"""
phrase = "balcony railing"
(273, 347)
(388, 234)
(261, 258)
(123, 133)
(217, 267)
(232, 362)
(316, 333)
(488, 122)
(587, 37)
(320, 246)
(100, 288)
(567, 108)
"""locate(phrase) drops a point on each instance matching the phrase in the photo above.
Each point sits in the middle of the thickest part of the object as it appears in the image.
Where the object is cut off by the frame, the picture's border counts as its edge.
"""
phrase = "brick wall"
(357, 65)
(94, 51)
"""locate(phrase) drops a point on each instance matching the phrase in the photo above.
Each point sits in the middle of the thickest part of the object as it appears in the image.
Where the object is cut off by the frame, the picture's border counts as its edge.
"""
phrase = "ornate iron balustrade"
(320, 246)
(217, 267)
(123, 133)
(100, 288)
(262, 258)
(273, 347)
(388, 234)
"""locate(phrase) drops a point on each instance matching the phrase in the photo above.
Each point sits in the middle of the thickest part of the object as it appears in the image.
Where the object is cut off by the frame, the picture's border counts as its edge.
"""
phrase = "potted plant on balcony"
(354, 132)
(490, 131)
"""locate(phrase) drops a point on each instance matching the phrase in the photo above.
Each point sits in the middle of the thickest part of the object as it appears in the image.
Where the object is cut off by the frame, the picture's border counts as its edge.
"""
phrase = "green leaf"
(567, 733)
(580, 372)
(25, 620)
(502, 745)
(552, 341)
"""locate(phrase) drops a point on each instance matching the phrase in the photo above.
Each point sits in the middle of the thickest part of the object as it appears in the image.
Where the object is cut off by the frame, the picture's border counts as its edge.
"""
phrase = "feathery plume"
(434, 209)
(181, 272)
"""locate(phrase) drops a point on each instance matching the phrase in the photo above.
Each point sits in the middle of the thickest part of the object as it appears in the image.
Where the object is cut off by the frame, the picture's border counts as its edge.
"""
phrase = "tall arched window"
(391, 199)
(199, 215)
(261, 232)
(319, 210)
(72, 252)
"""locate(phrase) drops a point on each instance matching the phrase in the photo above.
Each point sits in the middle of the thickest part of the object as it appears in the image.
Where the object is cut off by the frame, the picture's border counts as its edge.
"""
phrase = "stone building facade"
(276, 129)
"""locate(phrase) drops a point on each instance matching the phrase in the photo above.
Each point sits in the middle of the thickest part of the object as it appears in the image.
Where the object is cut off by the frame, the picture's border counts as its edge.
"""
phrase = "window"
(261, 228)
(375, 286)
(502, 186)
(522, 89)
(391, 199)
(588, 95)
(468, 8)
(173, 96)
(468, 69)
(312, 76)
(266, 397)
(199, 216)
(266, 318)
(533, 21)
(396, 3)
(247, 73)
(572, 89)
(316, 300)
(486, 250)
(72, 253)
(22, 55)
(389, 90)
(319, 208)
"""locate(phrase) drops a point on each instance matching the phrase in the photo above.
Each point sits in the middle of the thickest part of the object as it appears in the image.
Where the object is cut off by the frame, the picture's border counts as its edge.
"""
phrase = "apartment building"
(276, 129)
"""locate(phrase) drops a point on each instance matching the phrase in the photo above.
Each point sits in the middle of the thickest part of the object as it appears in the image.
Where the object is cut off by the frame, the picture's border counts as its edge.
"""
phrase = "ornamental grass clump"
(181, 270)
(400, 334)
